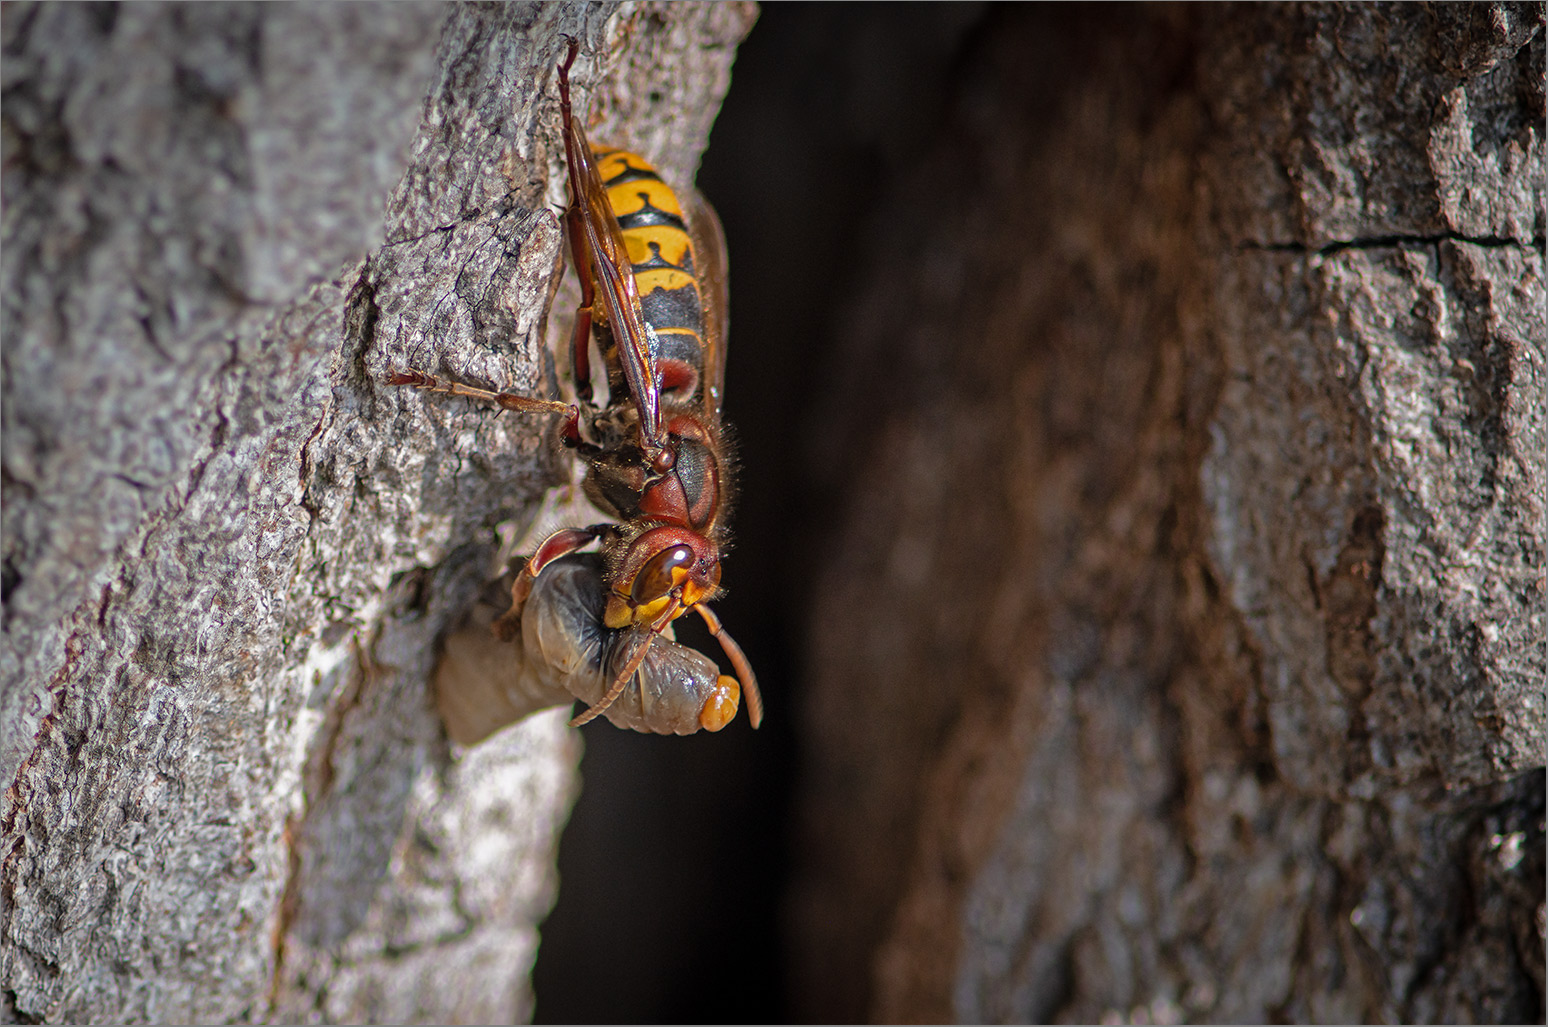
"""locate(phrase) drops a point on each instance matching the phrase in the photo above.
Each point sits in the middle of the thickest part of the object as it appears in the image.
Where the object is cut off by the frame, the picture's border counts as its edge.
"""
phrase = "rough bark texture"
(1185, 626)
(228, 549)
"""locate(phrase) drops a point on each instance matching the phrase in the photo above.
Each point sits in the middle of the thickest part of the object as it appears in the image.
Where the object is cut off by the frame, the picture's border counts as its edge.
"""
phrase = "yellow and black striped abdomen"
(661, 252)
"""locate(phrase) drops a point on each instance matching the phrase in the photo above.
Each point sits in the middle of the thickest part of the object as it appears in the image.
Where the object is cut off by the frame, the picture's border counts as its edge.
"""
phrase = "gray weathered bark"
(1186, 624)
(228, 549)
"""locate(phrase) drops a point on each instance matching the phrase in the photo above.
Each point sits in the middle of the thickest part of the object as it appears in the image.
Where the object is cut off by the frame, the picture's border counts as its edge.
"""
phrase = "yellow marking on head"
(626, 197)
(646, 612)
(619, 614)
(673, 243)
(693, 594)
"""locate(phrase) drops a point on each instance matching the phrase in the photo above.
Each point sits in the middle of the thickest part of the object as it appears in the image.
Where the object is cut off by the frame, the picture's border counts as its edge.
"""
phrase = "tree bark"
(1184, 626)
(229, 549)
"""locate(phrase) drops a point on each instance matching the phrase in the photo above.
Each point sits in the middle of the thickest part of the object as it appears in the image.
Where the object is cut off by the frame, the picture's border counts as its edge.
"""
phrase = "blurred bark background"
(1178, 653)
(1141, 535)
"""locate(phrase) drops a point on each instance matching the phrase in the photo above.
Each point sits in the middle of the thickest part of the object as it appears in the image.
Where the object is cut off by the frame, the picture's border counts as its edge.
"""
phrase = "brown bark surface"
(228, 548)
(1180, 654)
